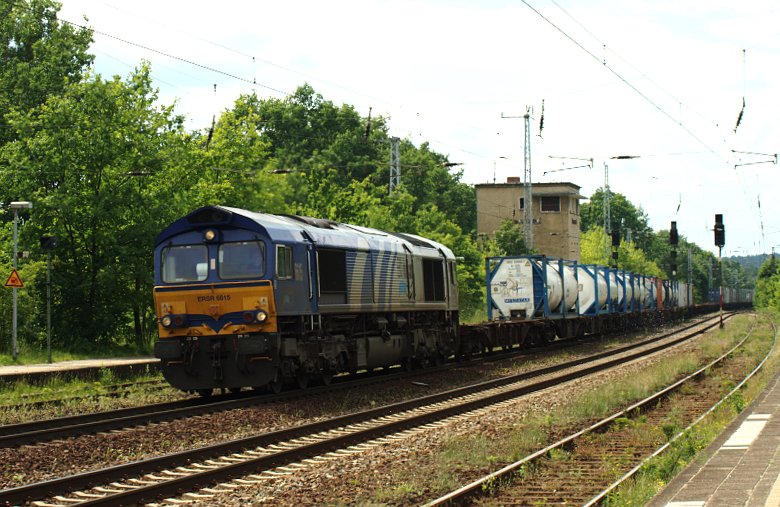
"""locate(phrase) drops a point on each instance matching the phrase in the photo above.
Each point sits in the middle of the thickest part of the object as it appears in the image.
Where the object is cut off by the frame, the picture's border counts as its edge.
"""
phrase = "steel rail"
(596, 500)
(38, 400)
(173, 486)
(70, 426)
(476, 487)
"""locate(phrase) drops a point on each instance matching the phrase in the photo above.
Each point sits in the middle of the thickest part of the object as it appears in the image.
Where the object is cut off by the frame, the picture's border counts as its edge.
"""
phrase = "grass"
(79, 395)
(659, 471)
(467, 455)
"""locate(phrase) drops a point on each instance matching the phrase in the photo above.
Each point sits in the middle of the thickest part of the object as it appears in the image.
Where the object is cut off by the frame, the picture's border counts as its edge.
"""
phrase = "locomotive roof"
(294, 229)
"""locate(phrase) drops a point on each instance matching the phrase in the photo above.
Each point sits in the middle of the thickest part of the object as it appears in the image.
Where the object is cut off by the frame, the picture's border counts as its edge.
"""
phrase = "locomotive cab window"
(284, 262)
(433, 279)
(187, 263)
(332, 269)
(242, 259)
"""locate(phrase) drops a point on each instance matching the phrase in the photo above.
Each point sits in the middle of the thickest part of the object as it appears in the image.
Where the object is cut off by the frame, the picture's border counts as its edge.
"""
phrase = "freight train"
(247, 299)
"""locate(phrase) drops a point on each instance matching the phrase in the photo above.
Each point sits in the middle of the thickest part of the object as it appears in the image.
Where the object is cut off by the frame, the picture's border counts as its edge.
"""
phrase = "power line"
(175, 57)
(641, 94)
(645, 76)
(625, 81)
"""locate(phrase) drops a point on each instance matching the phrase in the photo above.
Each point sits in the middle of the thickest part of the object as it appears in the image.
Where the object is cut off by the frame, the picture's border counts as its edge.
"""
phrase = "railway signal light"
(673, 237)
(49, 242)
(615, 238)
(720, 231)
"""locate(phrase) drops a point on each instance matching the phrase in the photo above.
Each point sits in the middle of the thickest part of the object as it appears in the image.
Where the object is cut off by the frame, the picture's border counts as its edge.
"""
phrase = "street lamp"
(16, 206)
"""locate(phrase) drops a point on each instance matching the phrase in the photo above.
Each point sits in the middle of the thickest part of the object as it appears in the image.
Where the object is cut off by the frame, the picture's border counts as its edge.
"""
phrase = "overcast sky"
(663, 81)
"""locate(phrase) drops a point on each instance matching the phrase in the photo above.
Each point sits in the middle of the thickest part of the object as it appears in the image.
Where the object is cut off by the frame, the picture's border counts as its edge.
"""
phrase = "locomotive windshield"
(188, 263)
(243, 259)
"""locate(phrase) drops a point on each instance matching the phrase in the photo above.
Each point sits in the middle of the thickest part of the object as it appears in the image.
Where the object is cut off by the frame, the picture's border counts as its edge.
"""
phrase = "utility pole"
(395, 163)
(528, 207)
(673, 242)
(48, 243)
(690, 277)
(16, 206)
(606, 212)
(720, 241)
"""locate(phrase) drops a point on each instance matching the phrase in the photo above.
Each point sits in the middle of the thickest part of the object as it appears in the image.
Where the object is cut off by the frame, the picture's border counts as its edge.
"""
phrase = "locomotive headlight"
(261, 316)
(209, 235)
(166, 321)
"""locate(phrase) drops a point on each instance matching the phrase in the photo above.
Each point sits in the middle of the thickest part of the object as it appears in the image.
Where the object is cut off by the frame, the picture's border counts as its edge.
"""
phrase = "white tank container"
(639, 291)
(615, 289)
(557, 286)
(588, 282)
(512, 289)
(625, 279)
(649, 292)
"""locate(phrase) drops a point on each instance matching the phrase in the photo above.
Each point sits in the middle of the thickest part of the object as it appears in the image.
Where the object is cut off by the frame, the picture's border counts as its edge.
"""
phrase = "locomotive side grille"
(391, 278)
(360, 276)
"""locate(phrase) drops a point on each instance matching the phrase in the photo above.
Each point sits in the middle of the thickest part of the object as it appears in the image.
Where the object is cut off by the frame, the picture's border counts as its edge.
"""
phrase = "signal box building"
(556, 214)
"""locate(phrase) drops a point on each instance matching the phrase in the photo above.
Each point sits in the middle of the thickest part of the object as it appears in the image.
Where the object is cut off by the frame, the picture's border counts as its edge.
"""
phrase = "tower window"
(551, 204)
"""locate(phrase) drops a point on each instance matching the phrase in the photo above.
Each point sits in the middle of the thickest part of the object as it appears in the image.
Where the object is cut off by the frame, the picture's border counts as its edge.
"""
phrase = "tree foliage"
(98, 164)
(107, 167)
(510, 240)
(630, 257)
(39, 56)
(650, 252)
(625, 216)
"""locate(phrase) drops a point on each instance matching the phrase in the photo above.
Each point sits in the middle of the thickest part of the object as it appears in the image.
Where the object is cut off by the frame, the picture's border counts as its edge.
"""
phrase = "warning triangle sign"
(14, 281)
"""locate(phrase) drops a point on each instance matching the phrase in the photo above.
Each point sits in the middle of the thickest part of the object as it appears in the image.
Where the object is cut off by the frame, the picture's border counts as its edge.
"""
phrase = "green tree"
(767, 293)
(768, 269)
(509, 239)
(625, 216)
(102, 163)
(630, 258)
(39, 55)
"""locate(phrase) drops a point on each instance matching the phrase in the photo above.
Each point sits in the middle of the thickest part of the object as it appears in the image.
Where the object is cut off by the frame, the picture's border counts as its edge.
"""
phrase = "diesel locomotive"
(247, 299)
(254, 299)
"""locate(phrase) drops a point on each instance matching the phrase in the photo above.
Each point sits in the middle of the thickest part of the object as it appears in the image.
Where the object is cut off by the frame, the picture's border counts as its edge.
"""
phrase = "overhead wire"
(175, 57)
(624, 80)
(245, 80)
(639, 92)
(632, 66)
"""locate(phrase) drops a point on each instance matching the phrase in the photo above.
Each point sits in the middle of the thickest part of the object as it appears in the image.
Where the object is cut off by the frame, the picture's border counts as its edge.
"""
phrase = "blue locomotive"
(254, 299)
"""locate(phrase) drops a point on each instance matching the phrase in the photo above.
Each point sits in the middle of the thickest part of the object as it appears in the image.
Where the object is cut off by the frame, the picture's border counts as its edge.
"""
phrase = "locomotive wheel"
(275, 386)
(234, 390)
(206, 393)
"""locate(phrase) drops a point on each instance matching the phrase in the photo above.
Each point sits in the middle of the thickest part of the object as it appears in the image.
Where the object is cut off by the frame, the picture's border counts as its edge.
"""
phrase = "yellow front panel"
(205, 305)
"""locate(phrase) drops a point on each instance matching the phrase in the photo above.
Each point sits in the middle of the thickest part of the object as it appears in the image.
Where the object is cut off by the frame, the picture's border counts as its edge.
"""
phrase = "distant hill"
(750, 263)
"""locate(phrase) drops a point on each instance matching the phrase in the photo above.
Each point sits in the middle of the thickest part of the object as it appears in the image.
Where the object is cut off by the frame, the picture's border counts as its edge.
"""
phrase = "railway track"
(259, 457)
(572, 470)
(35, 401)
(66, 427)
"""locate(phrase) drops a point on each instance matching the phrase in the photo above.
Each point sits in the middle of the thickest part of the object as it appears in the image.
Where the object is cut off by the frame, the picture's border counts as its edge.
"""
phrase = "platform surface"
(73, 366)
(740, 468)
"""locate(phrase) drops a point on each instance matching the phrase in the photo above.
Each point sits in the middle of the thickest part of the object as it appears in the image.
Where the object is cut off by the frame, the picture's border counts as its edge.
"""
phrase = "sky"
(663, 82)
